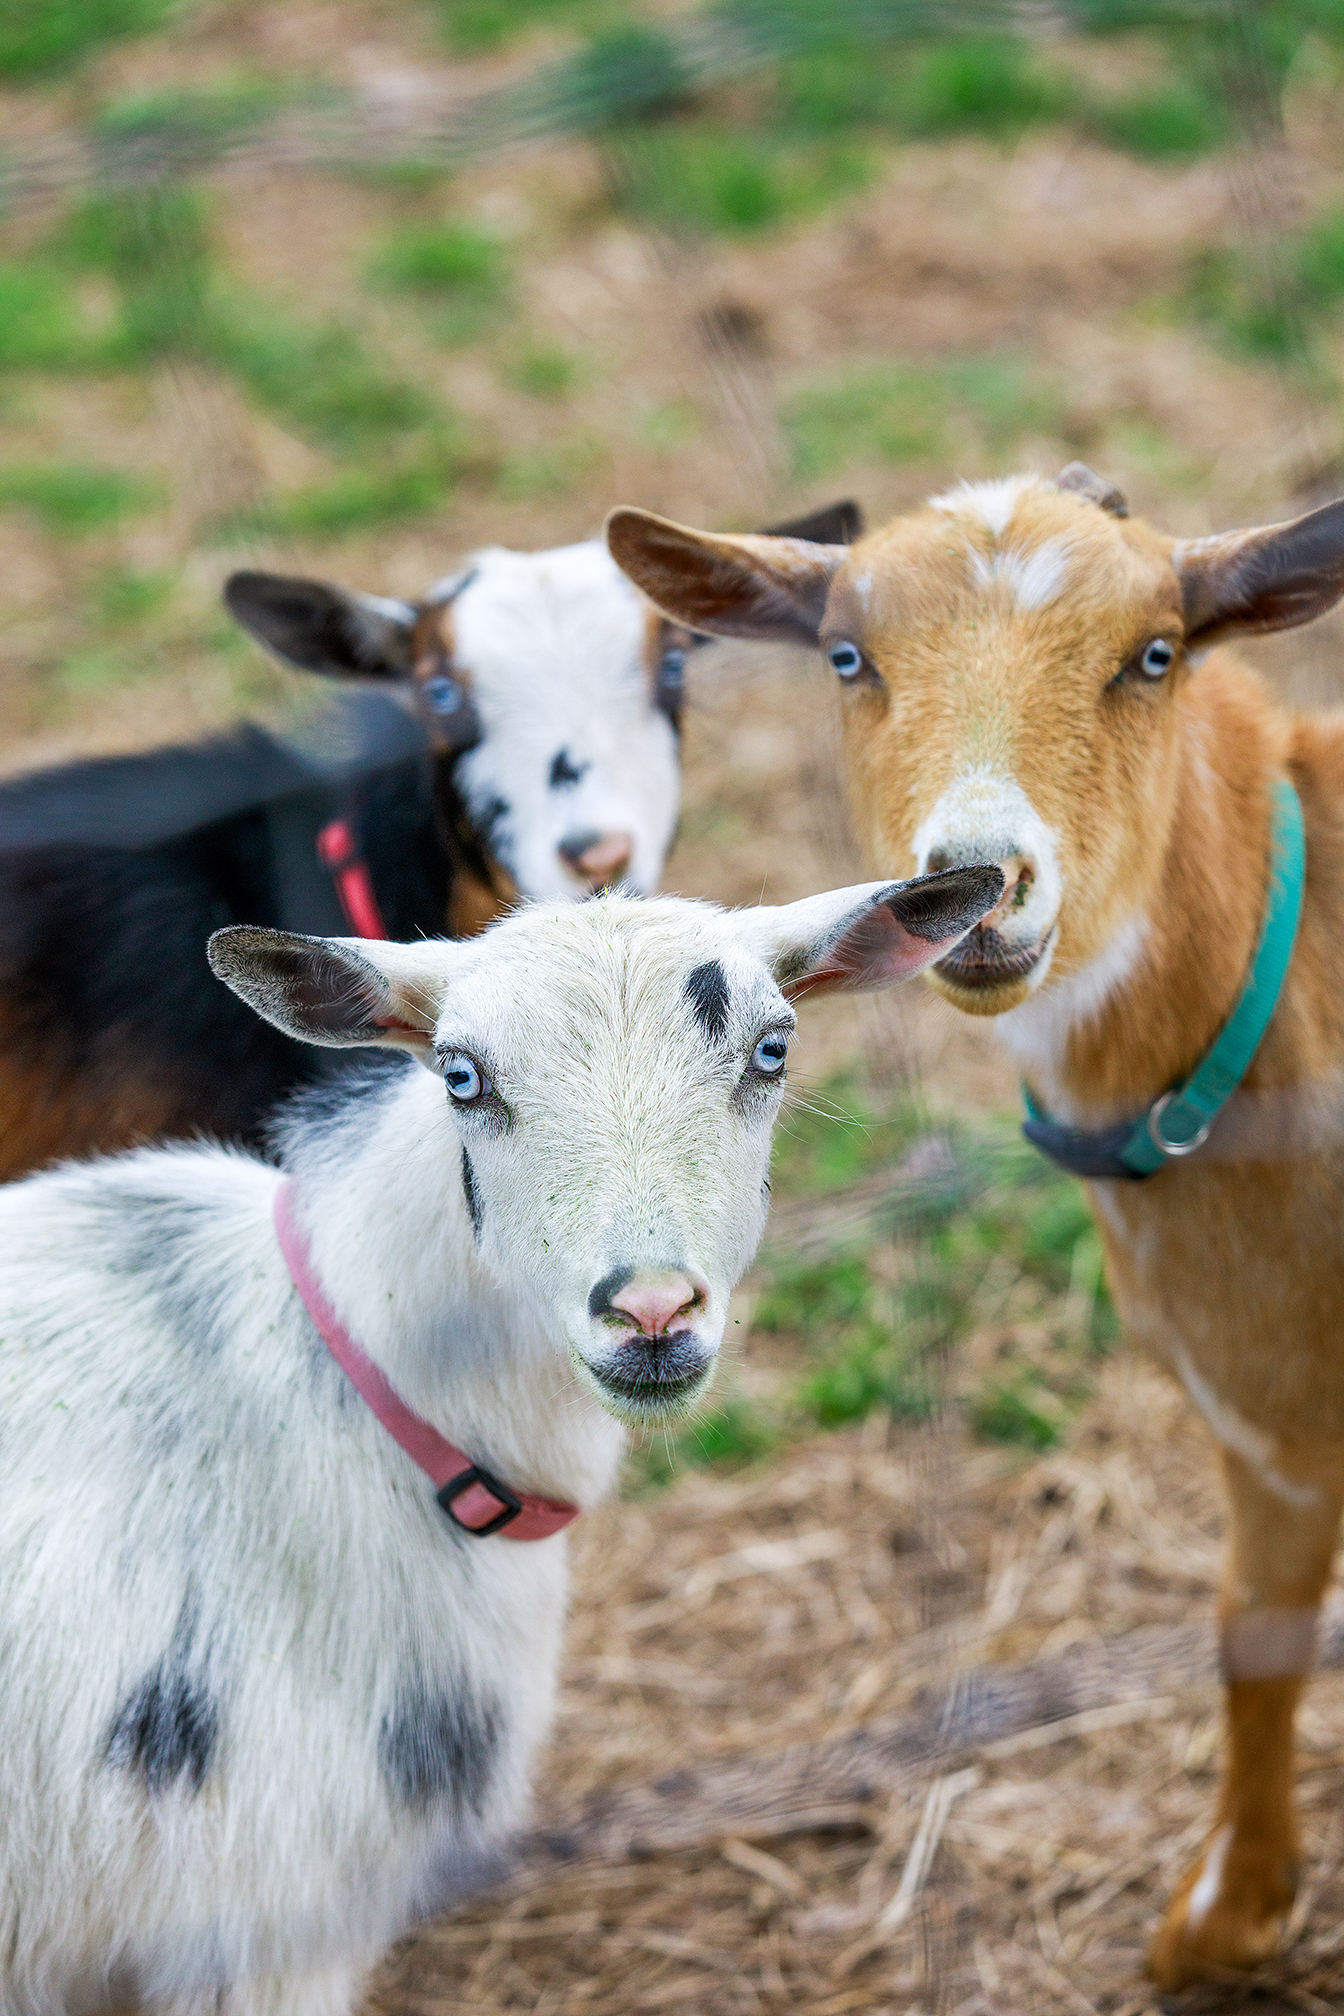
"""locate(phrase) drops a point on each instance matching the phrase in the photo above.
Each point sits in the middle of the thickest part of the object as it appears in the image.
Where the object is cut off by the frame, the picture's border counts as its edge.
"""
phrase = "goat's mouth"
(987, 975)
(652, 1381)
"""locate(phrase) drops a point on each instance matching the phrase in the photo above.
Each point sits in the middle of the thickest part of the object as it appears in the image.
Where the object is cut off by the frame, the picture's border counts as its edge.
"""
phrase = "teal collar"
(1179, 1121)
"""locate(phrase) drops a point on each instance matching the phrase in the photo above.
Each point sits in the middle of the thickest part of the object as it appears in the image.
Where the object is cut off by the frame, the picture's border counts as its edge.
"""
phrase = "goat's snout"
(649, 1305)
(598, 858)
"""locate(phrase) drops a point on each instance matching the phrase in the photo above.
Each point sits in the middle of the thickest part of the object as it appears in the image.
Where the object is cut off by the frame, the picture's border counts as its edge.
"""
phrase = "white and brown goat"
(1026, 677)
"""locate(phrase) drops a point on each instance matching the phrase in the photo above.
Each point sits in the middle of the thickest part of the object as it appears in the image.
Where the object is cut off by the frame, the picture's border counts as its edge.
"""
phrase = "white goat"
(266, 1697)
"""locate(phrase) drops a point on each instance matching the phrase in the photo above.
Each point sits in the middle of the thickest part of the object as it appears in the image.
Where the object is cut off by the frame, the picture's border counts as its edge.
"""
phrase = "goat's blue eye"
(464, 1078)
(442, 694)
(846, 659)
(768, 1058)
(1156, 658)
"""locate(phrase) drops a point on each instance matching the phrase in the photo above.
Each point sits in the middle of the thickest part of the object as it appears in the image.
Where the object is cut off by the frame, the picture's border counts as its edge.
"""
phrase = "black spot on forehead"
(564, 770)
(707, 992)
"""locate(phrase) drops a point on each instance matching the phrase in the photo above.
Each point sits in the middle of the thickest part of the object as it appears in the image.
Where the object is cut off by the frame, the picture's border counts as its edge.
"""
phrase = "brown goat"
(1024, 680)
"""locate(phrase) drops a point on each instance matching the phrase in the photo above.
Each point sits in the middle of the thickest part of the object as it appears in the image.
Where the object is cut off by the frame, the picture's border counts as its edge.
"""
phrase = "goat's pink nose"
(653, 1302)
(600, 858)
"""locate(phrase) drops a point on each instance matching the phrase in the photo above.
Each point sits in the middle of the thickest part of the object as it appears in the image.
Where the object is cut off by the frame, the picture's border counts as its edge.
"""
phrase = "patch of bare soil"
(797, 1602)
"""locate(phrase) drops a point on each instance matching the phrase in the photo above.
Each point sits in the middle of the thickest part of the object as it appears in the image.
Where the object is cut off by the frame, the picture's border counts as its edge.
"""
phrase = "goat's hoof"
(1226, 1915)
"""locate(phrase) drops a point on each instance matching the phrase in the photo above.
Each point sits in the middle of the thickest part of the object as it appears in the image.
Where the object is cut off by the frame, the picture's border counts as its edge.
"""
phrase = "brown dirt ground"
(908, 1553)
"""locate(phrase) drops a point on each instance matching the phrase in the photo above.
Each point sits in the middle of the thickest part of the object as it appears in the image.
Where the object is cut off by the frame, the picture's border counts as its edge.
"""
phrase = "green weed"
(441, 259)
(901, 412)
(694, 176)
(997, 85)
(1184, 117)
(731, 1436)
(41, 326)
(1274, 300)
(543, 371)
(352, 500)
(319, 377)
(474, 25)
(1017, 1411)
(39, 35)
(130, 595)
(72, 498)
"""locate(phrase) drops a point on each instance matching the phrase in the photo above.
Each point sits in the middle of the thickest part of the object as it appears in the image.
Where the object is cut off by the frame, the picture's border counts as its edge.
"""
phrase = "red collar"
(472, 1498)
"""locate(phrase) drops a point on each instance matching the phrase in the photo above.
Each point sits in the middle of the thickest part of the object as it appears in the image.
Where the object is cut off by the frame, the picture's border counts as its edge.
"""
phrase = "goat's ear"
(334, 991)
(322, 628)
(747, 585)
(853, 940)
(837, 524)
(1272, 578)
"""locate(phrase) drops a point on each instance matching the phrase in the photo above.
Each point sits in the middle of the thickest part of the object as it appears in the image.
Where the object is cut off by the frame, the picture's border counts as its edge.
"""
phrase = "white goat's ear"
(334, 991)
(1271, 578)
(322, 628)
(746, 585)
(851, 941)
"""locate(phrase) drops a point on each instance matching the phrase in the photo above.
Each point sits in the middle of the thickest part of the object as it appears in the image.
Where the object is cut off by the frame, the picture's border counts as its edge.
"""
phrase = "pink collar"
(472, 1498)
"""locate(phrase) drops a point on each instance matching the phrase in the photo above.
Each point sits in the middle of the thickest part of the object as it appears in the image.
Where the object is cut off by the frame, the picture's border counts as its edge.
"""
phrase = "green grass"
(1278, 300)
(73, 498)
(460, 276)
(37, 36)
(42, 326)
(994, 85)
(989, 1233)
(193, 124)
(353, 500)
(476, 25)
(124, 595)
(892, 411)
(699, 176)
(543, 371)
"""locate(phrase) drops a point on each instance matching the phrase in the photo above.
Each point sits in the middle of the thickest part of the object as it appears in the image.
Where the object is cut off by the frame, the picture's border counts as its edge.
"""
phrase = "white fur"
(1035, 579)
(985, 816)
(1037, 1032)
(1254, 1445)
(1208, 1888)
(992, 504)
(552, 644)
(211, 1553)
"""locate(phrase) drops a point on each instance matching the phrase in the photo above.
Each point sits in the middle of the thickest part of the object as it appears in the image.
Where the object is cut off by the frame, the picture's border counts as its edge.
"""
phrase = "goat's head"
(1015, 661)
(611, 1075)
(550, 693)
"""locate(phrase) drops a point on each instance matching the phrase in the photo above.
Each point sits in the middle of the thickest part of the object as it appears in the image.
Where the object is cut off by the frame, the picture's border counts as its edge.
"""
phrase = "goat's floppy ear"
(746, 585)
(1272, 578)
(322, 628)
(853, 940)
(334, 991)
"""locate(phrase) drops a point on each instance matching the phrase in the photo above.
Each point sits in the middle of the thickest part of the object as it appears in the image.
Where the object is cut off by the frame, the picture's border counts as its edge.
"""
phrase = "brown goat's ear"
(1094, 489)
(748, 585)
(1272, 578)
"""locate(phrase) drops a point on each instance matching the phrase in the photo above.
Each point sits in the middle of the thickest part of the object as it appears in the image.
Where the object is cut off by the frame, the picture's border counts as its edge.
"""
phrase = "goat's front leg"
(1229, 1910)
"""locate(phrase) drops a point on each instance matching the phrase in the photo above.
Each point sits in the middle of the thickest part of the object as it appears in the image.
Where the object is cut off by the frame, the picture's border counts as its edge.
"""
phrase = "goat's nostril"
(599, 858)
(654, 1303)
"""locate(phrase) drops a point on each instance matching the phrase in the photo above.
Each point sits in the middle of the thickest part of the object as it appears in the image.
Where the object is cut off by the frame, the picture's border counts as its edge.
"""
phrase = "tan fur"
(1158, 795)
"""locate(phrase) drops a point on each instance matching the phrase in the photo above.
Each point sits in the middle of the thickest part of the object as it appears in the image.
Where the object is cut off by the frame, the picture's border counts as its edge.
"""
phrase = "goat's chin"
(983, 975)
(640, 1396)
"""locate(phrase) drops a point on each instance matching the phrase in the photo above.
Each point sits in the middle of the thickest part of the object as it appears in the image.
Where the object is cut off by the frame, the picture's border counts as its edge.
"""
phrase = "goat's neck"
(1104, 1043)
(391, 1241)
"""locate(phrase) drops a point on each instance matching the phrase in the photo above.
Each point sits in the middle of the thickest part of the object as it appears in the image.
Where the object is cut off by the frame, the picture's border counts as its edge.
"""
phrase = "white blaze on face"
(574, 747)
(985, 816)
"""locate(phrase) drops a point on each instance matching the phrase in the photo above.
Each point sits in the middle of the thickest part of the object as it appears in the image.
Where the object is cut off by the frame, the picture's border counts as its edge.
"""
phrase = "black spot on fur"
(469, 1189)
(167, 1727)
(599, 1298)
(443, 1746)
(564, 770)
(151, 1235)
(707, 992)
